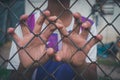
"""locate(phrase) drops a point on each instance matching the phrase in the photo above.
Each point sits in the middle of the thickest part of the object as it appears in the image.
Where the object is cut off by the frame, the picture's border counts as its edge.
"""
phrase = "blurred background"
(105, 14)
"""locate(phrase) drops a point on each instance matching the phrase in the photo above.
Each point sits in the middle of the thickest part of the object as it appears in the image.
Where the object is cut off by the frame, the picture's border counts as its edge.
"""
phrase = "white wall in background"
(109, 33)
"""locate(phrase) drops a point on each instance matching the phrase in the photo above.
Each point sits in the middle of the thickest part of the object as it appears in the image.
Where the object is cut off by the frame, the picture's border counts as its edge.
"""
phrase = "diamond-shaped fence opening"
(33, 59)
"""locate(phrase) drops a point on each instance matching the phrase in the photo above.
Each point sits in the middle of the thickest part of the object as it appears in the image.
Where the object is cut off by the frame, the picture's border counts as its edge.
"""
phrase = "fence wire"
(108, 54)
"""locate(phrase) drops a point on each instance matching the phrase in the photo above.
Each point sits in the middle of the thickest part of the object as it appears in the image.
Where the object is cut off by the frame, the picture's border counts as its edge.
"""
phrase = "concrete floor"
(112, 69)
(113, 72)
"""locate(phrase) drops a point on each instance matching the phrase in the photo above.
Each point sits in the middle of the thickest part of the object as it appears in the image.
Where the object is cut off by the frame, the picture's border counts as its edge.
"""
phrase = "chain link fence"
(105, 14)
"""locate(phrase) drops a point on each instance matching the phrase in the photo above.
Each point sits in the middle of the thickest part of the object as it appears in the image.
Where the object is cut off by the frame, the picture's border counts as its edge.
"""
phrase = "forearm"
(81, 68)
(28, 72)
(88, 71)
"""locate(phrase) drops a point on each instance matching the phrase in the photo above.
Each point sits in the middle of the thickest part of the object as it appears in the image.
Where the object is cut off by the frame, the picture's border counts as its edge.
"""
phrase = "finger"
(50, 52)
(50, 28)
(85, 29)
(62, 29)
(40, 22)
(23, 24)
(13, 34)
(96, 39)
(24, 17)
(77, 24)
(58, 56)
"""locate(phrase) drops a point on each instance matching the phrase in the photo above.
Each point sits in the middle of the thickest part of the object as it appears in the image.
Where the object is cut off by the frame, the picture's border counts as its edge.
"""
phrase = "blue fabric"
(60, 70)
(102, 49)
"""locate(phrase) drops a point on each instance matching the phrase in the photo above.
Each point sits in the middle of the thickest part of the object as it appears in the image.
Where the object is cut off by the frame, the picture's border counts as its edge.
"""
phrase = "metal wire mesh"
(108, 63)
